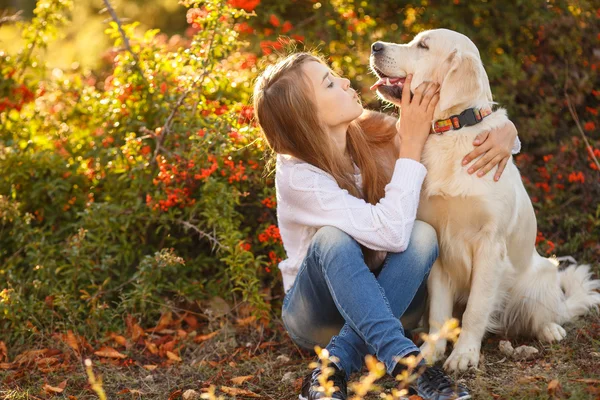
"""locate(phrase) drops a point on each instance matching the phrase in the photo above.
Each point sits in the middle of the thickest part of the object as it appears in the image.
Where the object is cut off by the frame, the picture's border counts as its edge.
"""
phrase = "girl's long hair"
(285, 110)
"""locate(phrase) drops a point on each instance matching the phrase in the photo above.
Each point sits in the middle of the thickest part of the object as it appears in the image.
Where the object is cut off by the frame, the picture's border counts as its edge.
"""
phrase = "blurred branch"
(166, 129)
(202, 234)
(576, 119)
(5, 18)
(115, 18)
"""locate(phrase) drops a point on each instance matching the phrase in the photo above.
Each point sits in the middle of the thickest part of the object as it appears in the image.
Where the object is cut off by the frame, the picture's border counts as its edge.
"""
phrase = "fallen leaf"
(268, 344)
(554, 388)
(150, 367)
(46, 361)
(169, 346)
(241, 379)
(134, 331)
(55, 389)
(192, 321)
(587, 380)
(175, 395)
(238, 392)
(28, 356)
(246, 321)
(173, 356)
(164, 321)
(202, 338)
(151, 347)
(109, 352)
(190, 394)
(5, 365)
(71, 341)
(3, 351)
(121, 340)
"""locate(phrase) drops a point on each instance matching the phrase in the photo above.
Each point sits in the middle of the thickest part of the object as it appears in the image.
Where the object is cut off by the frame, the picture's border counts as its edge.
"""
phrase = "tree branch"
(115, 18)
(202, 234)
(6, 19)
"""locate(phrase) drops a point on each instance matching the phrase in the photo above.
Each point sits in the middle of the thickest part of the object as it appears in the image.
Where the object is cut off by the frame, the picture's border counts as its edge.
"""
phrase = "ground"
(269, 365)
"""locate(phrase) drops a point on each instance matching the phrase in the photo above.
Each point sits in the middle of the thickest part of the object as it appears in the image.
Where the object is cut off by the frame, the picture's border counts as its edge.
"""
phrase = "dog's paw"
(433, 352)
(461, 358)
(552, 333)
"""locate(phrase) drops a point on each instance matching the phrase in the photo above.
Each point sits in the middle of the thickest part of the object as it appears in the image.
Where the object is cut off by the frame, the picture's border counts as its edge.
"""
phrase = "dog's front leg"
(441, 295)
(490, 262)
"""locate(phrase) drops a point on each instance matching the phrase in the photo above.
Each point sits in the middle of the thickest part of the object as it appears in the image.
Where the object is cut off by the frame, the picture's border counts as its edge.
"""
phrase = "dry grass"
(276, 370)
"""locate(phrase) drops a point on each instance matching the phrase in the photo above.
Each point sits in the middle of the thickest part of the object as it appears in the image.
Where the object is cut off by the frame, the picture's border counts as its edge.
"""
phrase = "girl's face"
(337, 103)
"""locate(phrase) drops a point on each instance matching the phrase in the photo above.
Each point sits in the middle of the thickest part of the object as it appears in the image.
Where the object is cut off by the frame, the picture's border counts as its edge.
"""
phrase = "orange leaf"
(241, 379)
(28, 356)
(150, 367)
(137, 332)
(133, 329)
(168, 346)
(192, 321)
(554, 388)
(151, 347)
(164, 321)
(202, 338)
(71, 341)
(5, 365)
(587, 380)
(109, 352)
(52, 389)
(238, 392)
(246, 321)
(3, 351)
(173, 356)
(46, 361)
(176, 394)
(121, 340)
(267, 344)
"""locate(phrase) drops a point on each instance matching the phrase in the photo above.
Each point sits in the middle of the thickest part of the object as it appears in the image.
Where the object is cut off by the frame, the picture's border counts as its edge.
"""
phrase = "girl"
(333, 219)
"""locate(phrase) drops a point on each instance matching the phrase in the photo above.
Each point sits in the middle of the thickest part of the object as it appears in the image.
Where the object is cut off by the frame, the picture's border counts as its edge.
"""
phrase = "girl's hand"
(495, 147)
(417, 114)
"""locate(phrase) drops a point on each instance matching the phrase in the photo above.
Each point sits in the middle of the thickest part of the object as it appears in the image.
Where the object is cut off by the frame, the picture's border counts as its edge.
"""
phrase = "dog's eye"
(422, 45)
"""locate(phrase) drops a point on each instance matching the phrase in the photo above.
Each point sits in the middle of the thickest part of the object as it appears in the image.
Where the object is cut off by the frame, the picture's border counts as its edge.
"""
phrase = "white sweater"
(308, 198)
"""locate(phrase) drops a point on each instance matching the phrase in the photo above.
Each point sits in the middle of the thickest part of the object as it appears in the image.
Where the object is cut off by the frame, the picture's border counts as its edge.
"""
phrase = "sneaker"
(311, 383)
(434, 384)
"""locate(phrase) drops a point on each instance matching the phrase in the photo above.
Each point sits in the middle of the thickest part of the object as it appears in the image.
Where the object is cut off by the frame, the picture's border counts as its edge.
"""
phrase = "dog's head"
(440, 55)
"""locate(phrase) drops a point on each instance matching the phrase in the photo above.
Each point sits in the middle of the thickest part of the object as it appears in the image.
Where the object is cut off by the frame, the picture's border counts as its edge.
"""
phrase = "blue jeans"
(338, 302)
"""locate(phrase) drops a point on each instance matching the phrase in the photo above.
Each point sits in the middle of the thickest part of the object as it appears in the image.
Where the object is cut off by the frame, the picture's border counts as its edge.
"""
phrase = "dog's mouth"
(388, 85)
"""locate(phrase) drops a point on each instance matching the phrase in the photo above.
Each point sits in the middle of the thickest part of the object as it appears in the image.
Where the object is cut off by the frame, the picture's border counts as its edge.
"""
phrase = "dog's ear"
(465, 81)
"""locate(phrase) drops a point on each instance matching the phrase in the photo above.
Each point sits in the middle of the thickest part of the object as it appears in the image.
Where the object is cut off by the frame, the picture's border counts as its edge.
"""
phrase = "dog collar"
(470, 116)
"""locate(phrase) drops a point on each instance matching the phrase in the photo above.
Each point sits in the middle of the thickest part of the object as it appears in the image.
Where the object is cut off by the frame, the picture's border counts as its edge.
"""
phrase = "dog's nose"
(376, 47)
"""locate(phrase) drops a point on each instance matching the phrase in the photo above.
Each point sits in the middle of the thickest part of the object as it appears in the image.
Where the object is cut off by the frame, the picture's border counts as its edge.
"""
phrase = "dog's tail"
(545, 294)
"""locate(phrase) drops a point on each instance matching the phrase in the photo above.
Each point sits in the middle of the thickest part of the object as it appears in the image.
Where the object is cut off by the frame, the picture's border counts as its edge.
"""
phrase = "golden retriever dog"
(486, 229)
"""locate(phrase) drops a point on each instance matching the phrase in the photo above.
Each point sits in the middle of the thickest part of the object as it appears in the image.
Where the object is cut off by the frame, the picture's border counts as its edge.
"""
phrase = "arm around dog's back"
(308, 196)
